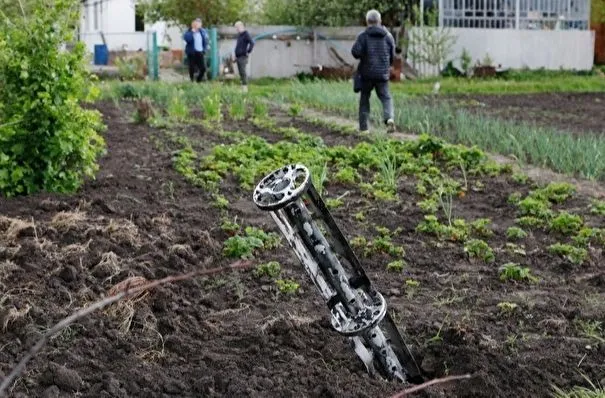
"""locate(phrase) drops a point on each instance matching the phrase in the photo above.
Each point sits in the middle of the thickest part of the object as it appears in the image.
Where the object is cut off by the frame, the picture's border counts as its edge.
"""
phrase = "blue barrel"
(101, 54)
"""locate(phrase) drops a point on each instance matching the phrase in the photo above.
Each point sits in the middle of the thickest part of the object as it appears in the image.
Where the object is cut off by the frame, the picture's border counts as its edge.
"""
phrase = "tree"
(212, 12)
(597, 12)
(330, 12)
(47, 140)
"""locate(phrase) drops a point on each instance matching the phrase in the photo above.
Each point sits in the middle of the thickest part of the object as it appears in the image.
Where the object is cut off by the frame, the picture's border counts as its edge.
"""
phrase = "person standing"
(243, 48)
(196, 39)
(375, 50)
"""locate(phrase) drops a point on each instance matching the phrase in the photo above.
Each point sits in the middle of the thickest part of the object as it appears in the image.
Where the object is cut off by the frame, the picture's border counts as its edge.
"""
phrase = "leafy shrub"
(576, 255)
(271, 269)
(515, 233)
(587, 236)
(480, 249)
(49, 142)
(131, 68)
(566, 223)
(598, 207)
(287, 286)
(242, 246)
(535, 208)
(480, 227)
(396, 266)
(515, 272)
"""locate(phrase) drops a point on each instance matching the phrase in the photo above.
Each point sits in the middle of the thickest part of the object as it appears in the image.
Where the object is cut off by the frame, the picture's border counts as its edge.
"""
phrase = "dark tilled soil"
(234, 335)
(569, 112)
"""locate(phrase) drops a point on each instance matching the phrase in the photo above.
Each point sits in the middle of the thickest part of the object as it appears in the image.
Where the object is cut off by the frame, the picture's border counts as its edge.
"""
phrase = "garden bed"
(155, 209)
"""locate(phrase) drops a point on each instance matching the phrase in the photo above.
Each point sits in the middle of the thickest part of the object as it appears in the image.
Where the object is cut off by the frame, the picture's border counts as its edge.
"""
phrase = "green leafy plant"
(360, 216)
(479, 249)
(591, 329)
(587, 236)
(346, 175)
(230, 227)
(242, 246)
(131, 68)
(220, 201)
(520, 178)
(429, 205)
(271, 269)
(515, 233)
(396, 266)
(295, 110)
(576, 255)
(178, 111)
(598, 207)
(530, 222)
(237, 109)
(254, 239)
(514, 198)
(566, 223)
(287, 286)
(515, 249)
(465, 61)
(359, 242)
(594, 391)
(556, 192)
(411, 287)
(211, 105)
(259, 109)
(507, 308)
(480, 227)
(535, 208)
(48, 141)
(334, 203)
(270, 240)
(513, 271)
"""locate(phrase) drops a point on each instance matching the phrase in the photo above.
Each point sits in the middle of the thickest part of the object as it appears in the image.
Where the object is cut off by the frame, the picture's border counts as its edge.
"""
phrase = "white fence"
(284, 51)
(515, 49)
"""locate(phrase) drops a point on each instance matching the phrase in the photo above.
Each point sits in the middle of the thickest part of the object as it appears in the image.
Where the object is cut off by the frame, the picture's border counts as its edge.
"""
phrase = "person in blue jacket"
(197, 42)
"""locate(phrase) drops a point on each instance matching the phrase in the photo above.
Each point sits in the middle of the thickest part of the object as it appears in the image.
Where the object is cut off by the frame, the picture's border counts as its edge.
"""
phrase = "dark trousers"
(196, 60)
(242, 61)
(382, 90)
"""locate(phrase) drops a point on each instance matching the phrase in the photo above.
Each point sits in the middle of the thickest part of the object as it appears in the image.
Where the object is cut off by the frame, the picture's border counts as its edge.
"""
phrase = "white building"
(118, 24)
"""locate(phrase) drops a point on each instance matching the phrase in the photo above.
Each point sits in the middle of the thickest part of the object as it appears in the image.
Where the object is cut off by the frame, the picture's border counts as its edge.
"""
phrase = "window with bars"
(515, 14)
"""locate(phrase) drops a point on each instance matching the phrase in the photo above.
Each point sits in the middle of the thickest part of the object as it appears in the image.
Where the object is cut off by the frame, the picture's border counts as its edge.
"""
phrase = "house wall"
(549, 49)
(291, 52)
(117, 23)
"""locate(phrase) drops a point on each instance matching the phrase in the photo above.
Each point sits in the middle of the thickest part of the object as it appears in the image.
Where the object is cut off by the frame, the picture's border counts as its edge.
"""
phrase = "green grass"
(539, 146)
(452, 85)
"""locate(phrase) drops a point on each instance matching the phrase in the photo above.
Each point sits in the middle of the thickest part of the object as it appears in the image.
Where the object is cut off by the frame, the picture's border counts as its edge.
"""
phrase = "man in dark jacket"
(197, 44)
(243, 48)
(375, 49)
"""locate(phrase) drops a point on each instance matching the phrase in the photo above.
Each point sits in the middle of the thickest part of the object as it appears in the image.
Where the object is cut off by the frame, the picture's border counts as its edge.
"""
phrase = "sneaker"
(245, 89)
(390, 126)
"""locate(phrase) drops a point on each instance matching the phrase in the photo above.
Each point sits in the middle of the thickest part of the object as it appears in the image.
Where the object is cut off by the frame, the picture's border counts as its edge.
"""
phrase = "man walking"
(243, 48)
(197, 43)
(375, 49)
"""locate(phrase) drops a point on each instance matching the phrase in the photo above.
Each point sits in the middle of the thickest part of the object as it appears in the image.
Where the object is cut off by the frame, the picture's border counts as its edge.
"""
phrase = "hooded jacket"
(375, 49)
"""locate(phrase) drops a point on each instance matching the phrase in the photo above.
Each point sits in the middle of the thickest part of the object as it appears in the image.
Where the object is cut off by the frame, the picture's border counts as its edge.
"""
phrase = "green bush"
(47, 140)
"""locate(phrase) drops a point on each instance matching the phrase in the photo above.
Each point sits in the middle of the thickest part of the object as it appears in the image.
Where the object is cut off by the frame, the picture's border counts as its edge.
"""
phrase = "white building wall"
(567, 49)
(116, 20)
(533, 49)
